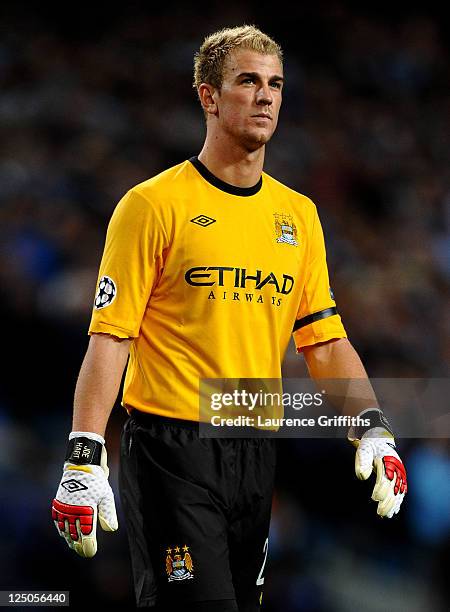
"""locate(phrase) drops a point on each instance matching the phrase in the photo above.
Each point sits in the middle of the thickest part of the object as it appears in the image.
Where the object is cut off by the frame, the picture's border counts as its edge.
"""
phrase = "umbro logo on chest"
(203, 220)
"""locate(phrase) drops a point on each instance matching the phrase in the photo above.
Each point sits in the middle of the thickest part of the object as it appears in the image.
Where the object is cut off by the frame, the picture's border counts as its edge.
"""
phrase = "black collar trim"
(217, 182)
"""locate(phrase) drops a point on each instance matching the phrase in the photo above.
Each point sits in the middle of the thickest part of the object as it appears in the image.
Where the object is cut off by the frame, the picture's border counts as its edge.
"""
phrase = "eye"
(276, 84)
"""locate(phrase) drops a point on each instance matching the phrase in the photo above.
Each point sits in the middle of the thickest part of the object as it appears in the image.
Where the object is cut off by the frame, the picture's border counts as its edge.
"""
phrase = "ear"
(208, 94)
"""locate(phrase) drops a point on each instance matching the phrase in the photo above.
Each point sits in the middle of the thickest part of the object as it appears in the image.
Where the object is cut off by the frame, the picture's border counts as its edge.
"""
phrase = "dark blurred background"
(94, 100)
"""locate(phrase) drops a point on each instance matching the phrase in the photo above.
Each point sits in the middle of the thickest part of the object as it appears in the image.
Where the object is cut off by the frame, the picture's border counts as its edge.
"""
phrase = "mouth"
(263, 116)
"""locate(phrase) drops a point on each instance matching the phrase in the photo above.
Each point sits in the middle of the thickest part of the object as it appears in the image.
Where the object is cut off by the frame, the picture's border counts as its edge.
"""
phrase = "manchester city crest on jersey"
(179, 564)
(106, 293)
(285, 229)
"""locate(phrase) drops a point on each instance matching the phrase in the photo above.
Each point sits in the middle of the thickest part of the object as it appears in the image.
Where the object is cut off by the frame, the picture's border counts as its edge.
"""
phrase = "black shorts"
(197, 512)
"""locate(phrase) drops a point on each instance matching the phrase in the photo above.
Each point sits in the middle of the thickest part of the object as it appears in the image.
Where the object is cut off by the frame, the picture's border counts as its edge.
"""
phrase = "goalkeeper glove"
(375, 446)
(84, 493)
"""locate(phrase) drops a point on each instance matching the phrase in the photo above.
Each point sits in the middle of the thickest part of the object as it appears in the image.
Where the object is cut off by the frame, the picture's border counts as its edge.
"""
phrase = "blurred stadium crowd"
(91, 106)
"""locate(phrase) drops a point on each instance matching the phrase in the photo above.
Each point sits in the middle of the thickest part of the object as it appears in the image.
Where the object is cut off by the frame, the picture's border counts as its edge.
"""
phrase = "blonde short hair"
(210, 59)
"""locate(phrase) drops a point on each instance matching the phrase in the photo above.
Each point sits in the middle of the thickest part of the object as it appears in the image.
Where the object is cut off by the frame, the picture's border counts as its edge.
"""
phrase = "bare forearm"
(338, 367)
(99, 382)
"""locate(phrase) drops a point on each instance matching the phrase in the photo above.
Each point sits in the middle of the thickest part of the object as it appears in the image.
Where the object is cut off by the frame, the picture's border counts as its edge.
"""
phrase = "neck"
(231, 163)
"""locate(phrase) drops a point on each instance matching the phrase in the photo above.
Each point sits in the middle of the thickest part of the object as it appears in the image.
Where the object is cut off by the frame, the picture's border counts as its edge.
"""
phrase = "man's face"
(250, 97)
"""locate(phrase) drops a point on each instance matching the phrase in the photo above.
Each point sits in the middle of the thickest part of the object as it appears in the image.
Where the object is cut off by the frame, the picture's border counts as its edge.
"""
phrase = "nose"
(264, 95)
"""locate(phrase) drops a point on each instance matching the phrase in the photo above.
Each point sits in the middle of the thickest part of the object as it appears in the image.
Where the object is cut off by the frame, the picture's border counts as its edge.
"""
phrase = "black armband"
(375, 418)
(84, 451)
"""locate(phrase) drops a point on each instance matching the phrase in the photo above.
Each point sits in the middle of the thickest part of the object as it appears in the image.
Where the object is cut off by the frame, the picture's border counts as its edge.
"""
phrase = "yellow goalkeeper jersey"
(210, 280)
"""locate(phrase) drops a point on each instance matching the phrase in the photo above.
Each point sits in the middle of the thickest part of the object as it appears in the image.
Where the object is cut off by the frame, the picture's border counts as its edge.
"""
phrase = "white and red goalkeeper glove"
(375, 446)
(84, 493)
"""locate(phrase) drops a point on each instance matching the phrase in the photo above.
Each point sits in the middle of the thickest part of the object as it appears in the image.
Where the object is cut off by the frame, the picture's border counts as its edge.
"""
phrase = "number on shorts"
(260, 579)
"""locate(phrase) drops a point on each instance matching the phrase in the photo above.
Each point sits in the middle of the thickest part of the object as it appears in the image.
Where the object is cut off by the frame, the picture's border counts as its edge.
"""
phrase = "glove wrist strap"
(375, 418)
(84, 451)
(87, 434)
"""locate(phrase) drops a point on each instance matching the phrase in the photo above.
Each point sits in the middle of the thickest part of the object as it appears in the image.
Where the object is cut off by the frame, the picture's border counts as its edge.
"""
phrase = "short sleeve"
(317, 317)
(130, 267)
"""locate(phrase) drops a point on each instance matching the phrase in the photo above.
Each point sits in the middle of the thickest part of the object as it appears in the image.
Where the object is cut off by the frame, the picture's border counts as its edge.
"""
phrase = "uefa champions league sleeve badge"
(179, 564)
(106, 293)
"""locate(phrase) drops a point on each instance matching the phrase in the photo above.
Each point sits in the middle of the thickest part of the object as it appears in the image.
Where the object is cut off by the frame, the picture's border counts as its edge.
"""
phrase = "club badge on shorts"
(179, 565)
(285, 229)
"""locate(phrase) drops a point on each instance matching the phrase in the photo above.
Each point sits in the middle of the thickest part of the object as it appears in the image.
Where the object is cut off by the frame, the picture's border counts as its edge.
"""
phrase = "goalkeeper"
(207, 271)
